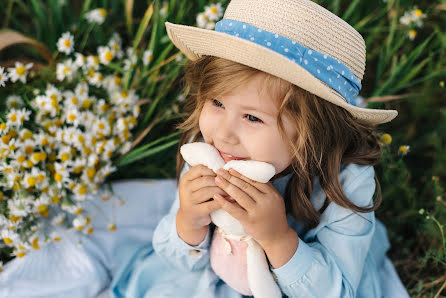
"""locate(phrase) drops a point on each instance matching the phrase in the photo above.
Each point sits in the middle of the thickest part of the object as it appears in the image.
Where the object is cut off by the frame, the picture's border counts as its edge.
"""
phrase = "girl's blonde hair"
(327, 137)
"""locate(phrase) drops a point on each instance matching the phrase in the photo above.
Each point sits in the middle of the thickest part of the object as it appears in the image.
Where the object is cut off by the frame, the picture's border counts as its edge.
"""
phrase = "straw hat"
(296, 40)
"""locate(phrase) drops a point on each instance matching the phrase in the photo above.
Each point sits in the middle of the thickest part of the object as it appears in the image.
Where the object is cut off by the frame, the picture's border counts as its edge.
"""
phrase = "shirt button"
(195, 253)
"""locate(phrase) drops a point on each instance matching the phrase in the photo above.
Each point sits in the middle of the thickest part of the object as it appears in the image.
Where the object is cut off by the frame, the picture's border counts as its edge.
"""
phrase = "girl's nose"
(226, 132)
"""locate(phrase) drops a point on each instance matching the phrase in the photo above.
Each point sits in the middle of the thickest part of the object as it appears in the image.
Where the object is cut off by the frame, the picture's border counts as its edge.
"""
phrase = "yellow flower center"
(27, 135)
(55, 199)
(101, 126)
(67, 43)
(109, 56)
(21, 158)
(103, 12)
(214, 10)
(53, 96)
(386, 138)
(7, 240)
(65, 157)
(6, 139)
(83, 190)
(74, 100)
(118, 80)
(112, 228)
(1, 196)
(20, 70)
(14, 218)
(66, 69)
(124, 94)
(90, 231)
(29, 149)
(79, 227)
(58, 177)
(36, 243)
(32, 181)
(91, 172)
(71, 117)
(418, 13)
(86, 104)
(3, 126)
(78, 211)
(20, 254)
(57, 239)
(13, 118)
(41, 177)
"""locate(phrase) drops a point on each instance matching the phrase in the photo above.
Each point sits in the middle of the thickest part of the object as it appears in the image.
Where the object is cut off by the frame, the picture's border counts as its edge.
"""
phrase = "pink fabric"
(232, 268)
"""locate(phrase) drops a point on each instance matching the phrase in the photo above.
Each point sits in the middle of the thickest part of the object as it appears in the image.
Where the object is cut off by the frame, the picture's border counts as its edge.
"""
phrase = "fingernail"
(232, 171)
(220, 172)
(219, 179)
(218, 197)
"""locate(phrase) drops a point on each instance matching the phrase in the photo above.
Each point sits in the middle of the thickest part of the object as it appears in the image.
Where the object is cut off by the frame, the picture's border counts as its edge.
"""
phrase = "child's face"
(243, 123)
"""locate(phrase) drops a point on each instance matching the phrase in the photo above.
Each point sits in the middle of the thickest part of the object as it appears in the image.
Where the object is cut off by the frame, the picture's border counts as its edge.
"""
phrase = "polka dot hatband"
(325, 68)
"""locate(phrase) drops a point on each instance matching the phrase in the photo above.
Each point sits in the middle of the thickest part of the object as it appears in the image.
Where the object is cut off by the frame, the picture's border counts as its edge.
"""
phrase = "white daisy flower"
(79, 60)
(65, 44)
(58, 219)
(65, 70)
(202, 20)
(412, 34)
(81, 90)
(214, 12)
(3, 76)
(71, 116)
(56, 236)
(79, 222)
(16, 117)
(130, 62)
(96, 79)
(14, 101)
(96, 15)
(19, 72)
(147, 57)
(105, 55)
(80, 192)
(19, 208)
(9, 237)
(164, 9)
(92, 62)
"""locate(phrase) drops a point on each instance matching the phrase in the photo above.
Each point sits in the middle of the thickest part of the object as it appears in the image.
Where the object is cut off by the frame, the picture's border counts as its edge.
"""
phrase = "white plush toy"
(260, 281)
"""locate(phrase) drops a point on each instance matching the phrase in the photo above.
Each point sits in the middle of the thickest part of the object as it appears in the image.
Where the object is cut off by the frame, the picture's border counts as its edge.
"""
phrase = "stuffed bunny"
(235, 256)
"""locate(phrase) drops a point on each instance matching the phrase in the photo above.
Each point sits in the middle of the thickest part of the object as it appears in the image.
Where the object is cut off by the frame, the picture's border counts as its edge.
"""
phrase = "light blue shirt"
(337, 258)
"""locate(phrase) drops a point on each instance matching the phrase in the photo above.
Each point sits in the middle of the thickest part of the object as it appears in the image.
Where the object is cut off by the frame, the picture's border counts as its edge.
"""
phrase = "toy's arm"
(172, 248)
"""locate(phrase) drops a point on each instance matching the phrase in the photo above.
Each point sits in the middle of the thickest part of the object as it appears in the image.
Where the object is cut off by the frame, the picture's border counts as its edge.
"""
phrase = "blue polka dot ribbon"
(327, 69)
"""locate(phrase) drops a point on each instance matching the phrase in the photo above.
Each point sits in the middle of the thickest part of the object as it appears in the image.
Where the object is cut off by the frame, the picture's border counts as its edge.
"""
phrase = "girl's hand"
(258, 206)
(196, 189)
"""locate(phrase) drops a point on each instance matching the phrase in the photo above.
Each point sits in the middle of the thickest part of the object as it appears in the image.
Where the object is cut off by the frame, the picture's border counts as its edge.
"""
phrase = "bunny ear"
(255, 170)
(199, 153)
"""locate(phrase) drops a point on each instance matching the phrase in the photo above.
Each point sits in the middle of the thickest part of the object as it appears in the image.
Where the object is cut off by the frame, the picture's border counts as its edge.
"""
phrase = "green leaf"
(143, 26)
(126, 161)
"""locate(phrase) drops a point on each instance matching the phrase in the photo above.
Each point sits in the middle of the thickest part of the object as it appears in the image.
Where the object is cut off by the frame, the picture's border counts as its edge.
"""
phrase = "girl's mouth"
(228, 157)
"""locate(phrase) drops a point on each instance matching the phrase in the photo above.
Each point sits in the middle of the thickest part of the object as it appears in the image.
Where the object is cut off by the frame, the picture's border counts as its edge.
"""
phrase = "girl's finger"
(245, 185)
(209, 207)
(236, 193)
(233, 209)
(201, 182)
(262, 187)
(198, 171)
(206, 193)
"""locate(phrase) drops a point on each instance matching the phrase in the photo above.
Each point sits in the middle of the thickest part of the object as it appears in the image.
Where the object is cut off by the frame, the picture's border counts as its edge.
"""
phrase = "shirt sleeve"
(330, 264)
(172, 248)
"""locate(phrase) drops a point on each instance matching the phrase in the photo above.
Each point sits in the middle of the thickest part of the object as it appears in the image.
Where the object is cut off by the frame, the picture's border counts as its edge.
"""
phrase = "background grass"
(402, 74)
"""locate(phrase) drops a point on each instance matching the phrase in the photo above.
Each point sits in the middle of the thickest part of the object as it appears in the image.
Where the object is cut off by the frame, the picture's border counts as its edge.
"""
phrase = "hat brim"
(196, 42)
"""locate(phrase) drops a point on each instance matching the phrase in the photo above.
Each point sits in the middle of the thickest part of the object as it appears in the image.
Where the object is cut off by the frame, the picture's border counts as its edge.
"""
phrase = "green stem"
(84, 40)
(442, 234)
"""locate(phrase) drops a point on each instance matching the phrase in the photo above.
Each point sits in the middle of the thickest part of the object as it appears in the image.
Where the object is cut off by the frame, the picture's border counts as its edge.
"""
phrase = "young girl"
(275, 82)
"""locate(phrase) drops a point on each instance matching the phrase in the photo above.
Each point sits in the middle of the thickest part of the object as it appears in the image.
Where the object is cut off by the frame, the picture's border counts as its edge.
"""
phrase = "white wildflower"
(96, 15)
(65, 70)
(65, 44)
(105, 55)
(164, 9)
(214, 12)
(19, 72)
(147, 57)
(14, 101)
(3, 76)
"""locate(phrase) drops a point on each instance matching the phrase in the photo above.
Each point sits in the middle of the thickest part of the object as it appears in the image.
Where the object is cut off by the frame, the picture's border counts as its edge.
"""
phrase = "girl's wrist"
(280, 251)
(191, 235)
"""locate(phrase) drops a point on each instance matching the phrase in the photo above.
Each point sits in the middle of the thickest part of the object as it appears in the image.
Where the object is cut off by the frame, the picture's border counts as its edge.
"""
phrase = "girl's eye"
(250, 118)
